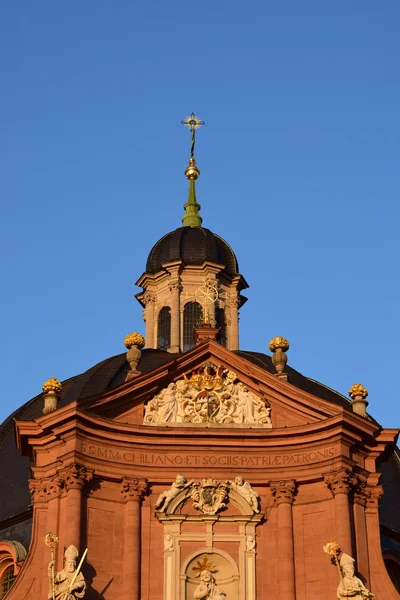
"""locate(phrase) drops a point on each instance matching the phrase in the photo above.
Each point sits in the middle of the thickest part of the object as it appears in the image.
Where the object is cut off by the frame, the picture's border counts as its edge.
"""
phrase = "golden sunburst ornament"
(192, 122)
(204, 566)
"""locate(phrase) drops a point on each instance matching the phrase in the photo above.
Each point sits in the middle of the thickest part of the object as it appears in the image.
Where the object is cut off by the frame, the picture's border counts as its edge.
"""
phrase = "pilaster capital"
(234, 301)
(284, 491)
(149, 298)
(340, 482)
(175, 286)
(75, 476)
(134, 489)
(373, 495)
(43, 490)
(360, 495)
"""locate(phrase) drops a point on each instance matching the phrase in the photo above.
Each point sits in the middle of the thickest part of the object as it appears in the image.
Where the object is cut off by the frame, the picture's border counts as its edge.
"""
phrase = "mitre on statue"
(71, 553)
(345, 560)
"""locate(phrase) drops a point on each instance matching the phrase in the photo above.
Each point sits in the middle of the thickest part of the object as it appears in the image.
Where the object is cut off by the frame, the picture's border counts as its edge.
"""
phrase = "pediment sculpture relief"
(208, 395)
(209, 495)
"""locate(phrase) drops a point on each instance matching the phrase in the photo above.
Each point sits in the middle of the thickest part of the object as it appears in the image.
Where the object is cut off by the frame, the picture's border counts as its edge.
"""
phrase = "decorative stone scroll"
(209, 495)
(208, 395)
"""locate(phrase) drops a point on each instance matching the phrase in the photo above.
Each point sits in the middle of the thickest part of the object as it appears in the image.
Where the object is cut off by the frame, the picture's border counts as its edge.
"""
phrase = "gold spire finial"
(191, 217)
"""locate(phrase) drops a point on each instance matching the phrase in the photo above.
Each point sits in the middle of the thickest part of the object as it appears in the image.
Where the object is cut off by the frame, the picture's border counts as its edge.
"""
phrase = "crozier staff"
(69, 584)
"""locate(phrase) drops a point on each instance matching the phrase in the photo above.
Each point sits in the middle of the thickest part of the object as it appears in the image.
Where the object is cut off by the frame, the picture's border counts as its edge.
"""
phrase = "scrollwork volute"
(43, 490)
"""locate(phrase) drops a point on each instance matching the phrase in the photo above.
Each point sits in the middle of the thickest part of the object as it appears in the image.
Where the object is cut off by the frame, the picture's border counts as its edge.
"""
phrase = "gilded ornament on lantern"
(278, 343)
(192, 171)
(134, 339)
(52, 386)
(357, 390)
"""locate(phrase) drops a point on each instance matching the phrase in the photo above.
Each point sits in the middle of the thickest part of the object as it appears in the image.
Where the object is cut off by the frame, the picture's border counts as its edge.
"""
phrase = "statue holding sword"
(68, 584)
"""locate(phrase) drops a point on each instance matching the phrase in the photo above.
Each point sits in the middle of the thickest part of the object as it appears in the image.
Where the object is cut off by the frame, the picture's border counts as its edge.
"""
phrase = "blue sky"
(299, 173)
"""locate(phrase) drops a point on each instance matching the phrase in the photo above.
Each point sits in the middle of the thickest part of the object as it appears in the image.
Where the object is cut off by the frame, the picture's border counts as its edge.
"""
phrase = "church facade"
(188, 469)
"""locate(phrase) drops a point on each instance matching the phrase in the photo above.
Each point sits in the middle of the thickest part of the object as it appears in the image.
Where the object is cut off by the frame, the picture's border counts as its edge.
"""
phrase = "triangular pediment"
(211, 386)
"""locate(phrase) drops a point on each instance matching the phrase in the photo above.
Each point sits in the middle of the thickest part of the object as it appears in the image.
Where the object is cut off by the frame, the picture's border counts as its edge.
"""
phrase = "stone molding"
(284, 491)
(134, 489)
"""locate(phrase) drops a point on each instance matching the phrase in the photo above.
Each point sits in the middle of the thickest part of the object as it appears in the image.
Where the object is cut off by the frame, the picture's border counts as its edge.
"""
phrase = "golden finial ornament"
(358, 394)
(358, 390)
(52, 386)
(134, 342)
(192, 171)
(134, 339)
(279, 345)
(52, 389)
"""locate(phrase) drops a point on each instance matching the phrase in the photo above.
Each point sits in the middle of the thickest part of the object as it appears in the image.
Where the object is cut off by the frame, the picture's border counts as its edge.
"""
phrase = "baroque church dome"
(193, 246)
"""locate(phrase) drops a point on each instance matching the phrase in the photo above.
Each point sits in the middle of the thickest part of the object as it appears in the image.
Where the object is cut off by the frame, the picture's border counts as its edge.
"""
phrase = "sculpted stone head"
(70, 565)
(206, 576)
(348, 570)
(239, 480)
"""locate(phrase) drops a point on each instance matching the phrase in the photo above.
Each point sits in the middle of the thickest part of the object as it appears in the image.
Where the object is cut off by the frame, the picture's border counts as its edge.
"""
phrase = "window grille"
(220, 322)
(7, 580)
(192, 316)
(164, 328)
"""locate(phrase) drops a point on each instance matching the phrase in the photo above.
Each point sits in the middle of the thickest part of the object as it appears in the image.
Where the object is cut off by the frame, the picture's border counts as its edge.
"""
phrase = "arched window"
(164, 328)
(220, 322)
(12, 556)
(7, 579)
(192, 315)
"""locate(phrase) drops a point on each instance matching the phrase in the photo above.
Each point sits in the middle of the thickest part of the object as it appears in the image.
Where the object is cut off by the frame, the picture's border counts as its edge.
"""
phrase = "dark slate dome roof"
(192, 245)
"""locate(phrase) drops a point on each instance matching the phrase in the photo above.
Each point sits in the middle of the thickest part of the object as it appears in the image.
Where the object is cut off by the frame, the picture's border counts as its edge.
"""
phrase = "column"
(360, 500)
(284, 492)
(340, 484)
(234, 326)
(75, 478)
(133, 492)
(149, 302)
(175, 289)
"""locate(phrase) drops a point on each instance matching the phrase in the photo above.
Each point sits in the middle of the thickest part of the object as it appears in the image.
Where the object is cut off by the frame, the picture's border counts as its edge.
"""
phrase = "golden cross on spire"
(193, 123)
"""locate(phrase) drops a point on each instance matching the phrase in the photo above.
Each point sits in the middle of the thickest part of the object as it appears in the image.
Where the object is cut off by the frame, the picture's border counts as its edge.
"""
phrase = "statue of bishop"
(64, 584)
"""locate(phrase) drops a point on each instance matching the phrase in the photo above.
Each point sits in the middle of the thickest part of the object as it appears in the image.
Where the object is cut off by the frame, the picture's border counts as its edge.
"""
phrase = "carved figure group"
(66, 585)
(209, 495)
(208, 589)
(177, 486)
(351, 586)
(207, 398)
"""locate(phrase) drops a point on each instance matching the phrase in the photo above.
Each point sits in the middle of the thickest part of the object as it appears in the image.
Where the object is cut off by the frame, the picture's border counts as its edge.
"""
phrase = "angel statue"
(166, 497)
